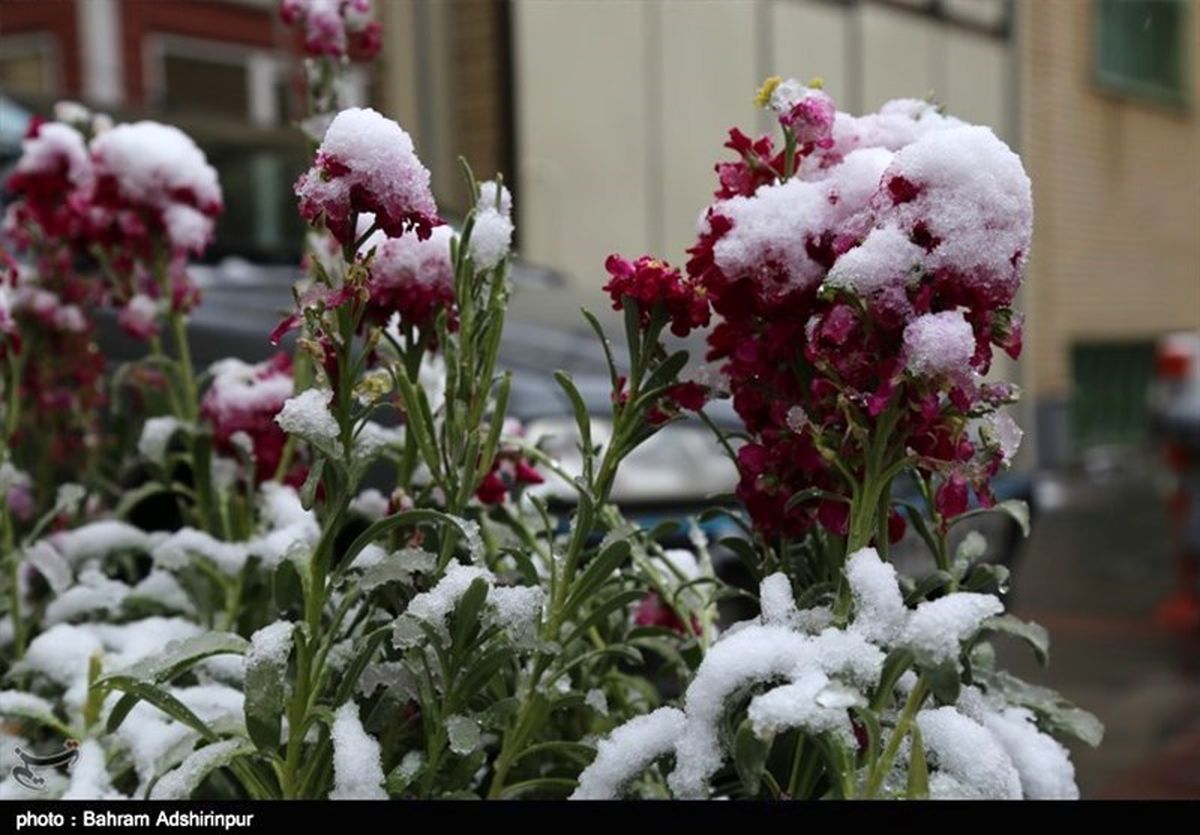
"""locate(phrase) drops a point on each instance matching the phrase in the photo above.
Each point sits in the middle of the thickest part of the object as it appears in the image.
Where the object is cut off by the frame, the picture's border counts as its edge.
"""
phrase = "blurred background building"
(607, 116)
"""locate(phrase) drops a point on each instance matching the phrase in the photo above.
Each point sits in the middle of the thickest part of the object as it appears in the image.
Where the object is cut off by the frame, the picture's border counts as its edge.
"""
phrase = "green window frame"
(1142, 49)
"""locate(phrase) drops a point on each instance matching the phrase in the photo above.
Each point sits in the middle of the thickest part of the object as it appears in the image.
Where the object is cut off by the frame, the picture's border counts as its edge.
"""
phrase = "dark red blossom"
(651, 282)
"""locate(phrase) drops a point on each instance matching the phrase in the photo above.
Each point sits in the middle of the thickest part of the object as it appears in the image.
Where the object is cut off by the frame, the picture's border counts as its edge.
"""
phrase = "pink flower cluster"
(651, 283)
(863, 292)
(141, 197)
(411, 277)
(241, 404)
(335, 28)
(366, 163)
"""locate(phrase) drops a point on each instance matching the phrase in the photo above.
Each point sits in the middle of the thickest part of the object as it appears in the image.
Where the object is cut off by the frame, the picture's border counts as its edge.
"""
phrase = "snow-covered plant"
(336, 574)
(860, 278)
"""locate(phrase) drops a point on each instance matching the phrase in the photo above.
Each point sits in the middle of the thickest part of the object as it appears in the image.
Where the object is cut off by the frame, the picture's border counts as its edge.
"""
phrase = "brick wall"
(1116, 182)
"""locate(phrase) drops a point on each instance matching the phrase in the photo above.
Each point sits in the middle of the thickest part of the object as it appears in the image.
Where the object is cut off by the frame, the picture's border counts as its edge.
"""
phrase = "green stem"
(884, 764)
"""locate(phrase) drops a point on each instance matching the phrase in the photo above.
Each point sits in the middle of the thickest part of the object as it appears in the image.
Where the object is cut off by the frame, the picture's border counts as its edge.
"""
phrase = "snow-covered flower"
(366, 163)
(139, 317)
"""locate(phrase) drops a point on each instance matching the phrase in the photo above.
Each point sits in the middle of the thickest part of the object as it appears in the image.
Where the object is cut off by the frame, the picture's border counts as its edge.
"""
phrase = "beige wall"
(1116, 198)
(623, 106)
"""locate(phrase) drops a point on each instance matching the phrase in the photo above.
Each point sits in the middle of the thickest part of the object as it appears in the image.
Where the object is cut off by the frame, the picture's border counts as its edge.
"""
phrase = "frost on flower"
(307, 416)
(628, 751)
(940, 344)
(357, 772)
(156, 173)
(243, 400)
(366, 163)
(411, 277)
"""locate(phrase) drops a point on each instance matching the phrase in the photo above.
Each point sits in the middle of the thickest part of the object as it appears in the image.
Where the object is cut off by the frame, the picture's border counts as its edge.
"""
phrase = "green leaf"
(500, 713)
(179, 656)
(921, 526)
(944, 681)
(466, 614)
(1031, 633)
(582, 418)
(16, 704)
(137, 689)
(870, 721)
(667, 372)
(934, 582)
(541, 787)
(478, 676)
(809, 494)
(308, 492)
(987, 578)
(918, 769)
(894, 666)
(633, 330)
(601, 611)
(750, 752)
(1016, 509)
(576, 752)
(265, 690)
(606, 345)
(409, 518)
(597, 572)
(179, 783)
(1054, 713)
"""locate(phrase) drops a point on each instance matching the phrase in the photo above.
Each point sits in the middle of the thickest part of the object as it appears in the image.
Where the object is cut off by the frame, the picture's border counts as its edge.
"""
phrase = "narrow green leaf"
(1031, 633)
(308, 492)
(265, 691)
(918, 769)
(154, 694)
(466, 614)
(750, 754)
(936, 581)
(597, 572)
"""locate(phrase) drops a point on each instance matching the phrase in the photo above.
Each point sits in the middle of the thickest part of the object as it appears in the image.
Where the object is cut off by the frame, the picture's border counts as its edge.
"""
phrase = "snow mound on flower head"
(357, 772)
(965, 751)
(157, 165)
(239, 387)
(366, 163)
(898, 123)
(969, 196)
(779, 234)
(885, 259)
(940, 344)
(57, 148)
(628, 751)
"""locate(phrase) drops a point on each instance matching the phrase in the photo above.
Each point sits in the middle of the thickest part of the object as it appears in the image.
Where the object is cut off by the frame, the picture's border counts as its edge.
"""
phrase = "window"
(211, 88)
(1142, 48)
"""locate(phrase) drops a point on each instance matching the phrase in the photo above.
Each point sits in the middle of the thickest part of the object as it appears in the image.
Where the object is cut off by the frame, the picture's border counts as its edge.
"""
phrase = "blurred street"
(1098, 562)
